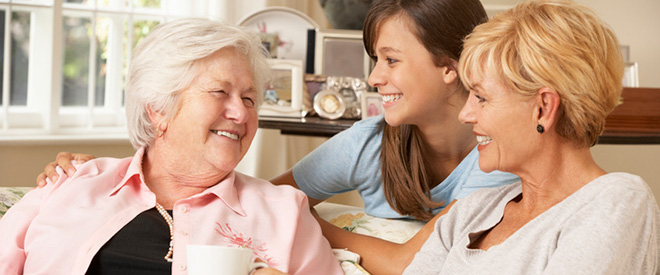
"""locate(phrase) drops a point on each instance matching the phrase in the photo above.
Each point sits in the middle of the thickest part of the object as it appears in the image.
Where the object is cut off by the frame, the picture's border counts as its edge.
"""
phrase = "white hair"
(165, 63)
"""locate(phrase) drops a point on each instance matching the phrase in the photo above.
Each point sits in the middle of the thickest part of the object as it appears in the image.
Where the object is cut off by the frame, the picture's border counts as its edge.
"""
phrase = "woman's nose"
(236, 110)
(466, 115)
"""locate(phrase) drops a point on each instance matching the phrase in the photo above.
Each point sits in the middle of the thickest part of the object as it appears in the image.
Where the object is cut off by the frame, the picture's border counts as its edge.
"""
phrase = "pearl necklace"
(170, 223)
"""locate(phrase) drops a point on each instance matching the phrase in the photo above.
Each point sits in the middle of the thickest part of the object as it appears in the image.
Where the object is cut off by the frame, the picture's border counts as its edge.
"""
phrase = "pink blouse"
(59, 228)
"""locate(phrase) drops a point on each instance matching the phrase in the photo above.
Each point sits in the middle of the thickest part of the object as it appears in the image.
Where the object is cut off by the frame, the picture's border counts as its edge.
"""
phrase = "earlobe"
(449, 73)
(161, 128)
(157, 119)
(548, 106)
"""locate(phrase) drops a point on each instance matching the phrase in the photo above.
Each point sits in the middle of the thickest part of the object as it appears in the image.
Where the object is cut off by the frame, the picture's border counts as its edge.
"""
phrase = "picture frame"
(631, 75)
(284, 96)
(372, 105)
(340, 53)
(329, 104)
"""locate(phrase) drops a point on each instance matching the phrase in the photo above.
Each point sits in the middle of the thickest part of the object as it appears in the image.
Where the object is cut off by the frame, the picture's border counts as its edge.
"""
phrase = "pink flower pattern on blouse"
(239, 239)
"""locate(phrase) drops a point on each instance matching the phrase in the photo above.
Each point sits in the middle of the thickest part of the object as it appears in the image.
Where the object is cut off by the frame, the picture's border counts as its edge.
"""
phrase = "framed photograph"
(284, 96)
(372, 105)
(314, 83)
(631, 75)
(329, 104)
(340, 53)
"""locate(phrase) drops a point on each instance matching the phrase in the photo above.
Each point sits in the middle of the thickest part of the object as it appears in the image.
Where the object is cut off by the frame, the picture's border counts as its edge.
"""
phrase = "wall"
(642, 160)
(20, 164)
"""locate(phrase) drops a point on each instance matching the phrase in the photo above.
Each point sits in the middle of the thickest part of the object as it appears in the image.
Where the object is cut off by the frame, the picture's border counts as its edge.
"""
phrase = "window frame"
(43, 119)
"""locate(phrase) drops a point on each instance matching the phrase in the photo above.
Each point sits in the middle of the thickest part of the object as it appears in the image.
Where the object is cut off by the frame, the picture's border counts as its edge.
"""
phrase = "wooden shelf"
(308, 126)
(636, 121)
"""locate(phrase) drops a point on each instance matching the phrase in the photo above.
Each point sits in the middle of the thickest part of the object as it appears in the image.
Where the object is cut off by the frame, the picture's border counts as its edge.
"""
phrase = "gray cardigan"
(609, 226)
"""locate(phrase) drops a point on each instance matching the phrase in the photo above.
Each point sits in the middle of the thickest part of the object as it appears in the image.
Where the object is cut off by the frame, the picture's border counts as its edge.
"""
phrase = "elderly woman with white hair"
(542, 78)
(192, 96)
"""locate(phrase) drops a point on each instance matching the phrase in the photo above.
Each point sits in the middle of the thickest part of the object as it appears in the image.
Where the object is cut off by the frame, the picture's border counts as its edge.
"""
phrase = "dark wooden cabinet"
(636, 121)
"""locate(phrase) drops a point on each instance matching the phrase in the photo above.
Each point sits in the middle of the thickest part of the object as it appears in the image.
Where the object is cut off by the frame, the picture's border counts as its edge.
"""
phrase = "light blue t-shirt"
(351, 161)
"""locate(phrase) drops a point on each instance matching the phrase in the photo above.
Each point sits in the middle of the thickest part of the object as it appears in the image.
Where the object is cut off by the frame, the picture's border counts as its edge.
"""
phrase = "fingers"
(41, 180)
(82, 158)
(65, 161)
(51, 172)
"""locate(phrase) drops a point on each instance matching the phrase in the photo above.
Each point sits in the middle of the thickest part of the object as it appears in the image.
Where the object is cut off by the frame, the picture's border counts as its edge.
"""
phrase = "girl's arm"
(379, 256)
(287, 178)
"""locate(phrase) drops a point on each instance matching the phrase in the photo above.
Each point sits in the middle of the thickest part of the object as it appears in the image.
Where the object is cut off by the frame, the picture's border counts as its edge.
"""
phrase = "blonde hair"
(167, 61)
(557, 44)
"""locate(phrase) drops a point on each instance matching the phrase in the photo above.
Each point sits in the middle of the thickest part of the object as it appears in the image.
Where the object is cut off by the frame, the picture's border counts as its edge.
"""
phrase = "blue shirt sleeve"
(348, 161)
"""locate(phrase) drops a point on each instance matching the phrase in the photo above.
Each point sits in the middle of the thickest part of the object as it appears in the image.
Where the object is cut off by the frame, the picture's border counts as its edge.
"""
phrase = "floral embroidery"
(350, 222)
(239, 239)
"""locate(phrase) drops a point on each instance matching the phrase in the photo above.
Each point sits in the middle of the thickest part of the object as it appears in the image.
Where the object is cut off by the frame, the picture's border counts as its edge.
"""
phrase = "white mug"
(213, 259)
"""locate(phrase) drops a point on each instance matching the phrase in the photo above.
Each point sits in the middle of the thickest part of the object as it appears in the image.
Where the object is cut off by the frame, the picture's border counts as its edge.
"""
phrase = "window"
(64, 63)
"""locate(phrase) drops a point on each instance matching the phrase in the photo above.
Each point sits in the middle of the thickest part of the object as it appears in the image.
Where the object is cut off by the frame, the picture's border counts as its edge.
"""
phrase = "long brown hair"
(440, 25)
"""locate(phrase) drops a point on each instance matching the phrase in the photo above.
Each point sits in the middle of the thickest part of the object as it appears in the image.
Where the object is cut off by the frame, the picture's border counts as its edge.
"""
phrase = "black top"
(138, 248)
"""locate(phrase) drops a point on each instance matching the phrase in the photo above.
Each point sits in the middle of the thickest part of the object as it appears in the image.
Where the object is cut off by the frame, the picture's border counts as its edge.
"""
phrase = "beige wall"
(20, 164)
(642, 160)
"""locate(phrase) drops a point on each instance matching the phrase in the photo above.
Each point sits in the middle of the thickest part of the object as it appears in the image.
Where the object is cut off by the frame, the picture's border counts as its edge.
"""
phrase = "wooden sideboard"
(636, 121)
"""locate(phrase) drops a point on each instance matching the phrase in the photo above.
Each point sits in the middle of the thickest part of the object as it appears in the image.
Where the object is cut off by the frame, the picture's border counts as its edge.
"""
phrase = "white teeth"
(226, 134)
(483, 140)
(391, 98)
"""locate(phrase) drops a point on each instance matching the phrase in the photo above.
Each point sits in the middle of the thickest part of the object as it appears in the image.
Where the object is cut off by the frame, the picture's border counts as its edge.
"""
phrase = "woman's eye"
(220, 91)
(249, 101)
(390, 60)
(479, 98)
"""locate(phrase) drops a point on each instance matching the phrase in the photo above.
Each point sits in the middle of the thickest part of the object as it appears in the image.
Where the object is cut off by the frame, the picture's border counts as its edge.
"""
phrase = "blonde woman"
(542, 78)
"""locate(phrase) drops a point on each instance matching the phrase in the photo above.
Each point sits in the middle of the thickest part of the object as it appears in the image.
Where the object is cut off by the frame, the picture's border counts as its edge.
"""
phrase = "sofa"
(10, 196)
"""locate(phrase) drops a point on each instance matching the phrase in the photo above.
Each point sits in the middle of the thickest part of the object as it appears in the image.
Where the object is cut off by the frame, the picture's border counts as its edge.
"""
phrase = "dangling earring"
(540, 129)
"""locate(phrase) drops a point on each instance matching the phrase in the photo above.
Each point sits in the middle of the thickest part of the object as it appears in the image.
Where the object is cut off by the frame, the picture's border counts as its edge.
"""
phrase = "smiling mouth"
(483, 140)
(391, 98)
(225, 134)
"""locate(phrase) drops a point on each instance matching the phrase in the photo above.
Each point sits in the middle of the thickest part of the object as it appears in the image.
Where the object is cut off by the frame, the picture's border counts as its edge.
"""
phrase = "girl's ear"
(547, 107)
(449, 74)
